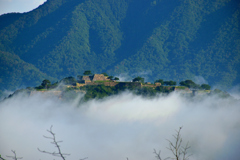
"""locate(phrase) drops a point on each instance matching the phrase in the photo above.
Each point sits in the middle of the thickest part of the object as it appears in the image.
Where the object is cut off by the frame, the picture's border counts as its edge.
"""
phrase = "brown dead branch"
(15, 156)
(157, 154)
(56, 143)
(179, 152)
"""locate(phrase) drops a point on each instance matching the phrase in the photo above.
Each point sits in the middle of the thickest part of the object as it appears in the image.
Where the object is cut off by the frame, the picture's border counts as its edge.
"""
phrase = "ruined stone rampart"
(158, 84)
(149, 85)
(86, 78)
(112, 84)
(99, 77)
(80, 84)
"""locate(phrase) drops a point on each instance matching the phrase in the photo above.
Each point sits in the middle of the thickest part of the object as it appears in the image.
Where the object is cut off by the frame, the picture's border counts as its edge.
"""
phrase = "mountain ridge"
(170, 40)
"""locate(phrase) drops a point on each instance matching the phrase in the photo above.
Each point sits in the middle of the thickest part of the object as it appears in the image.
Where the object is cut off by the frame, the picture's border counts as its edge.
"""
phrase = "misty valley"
(120, 79)
(101, 117)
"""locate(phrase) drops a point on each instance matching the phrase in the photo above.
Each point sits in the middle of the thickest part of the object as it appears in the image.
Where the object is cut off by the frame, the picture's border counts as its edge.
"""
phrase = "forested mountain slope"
(169, 39)
(17, 73)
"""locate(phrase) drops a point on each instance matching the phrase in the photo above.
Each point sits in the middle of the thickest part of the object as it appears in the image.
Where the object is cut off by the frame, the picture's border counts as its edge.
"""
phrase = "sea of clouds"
(120, 127)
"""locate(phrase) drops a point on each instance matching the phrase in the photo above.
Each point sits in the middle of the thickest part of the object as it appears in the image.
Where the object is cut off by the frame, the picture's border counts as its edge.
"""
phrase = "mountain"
(16, 72)
(167, 39)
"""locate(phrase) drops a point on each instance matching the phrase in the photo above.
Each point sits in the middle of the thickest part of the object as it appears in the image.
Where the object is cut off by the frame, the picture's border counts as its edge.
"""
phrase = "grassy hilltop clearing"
(171, 39)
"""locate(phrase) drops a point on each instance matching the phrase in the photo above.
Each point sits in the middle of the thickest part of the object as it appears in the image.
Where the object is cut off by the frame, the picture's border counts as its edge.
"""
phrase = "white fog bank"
(120, 126)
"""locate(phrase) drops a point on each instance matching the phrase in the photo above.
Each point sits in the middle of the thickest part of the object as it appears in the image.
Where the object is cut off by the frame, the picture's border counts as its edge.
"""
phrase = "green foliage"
(69, 80)
(116, 79)
(46, 83)
(205, 86)
(105, 74)
(97, 92)
(220, 93)
(128, 86)
(175, 39)
(138, 79)
(181, 87)
(189, 84)
(159, 81)
(101, 91)
(87, 72)
(170, 83)
(110, 77)
(54, 85)
(16, 73)
(164, 89)
(146, 92)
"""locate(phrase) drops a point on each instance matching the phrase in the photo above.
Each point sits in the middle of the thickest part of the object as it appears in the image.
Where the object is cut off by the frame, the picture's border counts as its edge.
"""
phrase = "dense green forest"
(169, 39)
(16, 72)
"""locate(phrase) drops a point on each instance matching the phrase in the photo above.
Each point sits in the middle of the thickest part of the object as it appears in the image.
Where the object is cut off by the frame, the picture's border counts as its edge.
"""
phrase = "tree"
(116, 78)
(105, 74)
(220, 93)
(69, 80)
(138, 79)
(206, 86)
(56, 143)
(179, 152)
(110, 77)
(169, 83)
(13, 157)
(189, 84)
(159, 81)
(166, 83)
(45, 83)
(87, 72)
(172, 83)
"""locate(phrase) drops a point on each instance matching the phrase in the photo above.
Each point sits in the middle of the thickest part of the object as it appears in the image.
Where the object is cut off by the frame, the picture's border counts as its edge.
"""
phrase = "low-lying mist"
(120, 126)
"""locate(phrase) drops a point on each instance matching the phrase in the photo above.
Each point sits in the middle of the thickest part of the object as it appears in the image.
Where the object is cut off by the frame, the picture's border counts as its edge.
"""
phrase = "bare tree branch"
(56, 143)
(157, 154)
(1, 157)
(176, 148)
(15, 156)
(184, 151)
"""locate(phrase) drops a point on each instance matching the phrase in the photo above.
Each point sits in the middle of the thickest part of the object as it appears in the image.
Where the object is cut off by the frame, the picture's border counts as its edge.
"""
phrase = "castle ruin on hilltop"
(100, 79)
(93, 78)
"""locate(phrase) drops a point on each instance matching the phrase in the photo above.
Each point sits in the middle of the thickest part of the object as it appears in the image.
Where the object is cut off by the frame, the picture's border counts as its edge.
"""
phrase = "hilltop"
(172, 39)
(98, 86)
